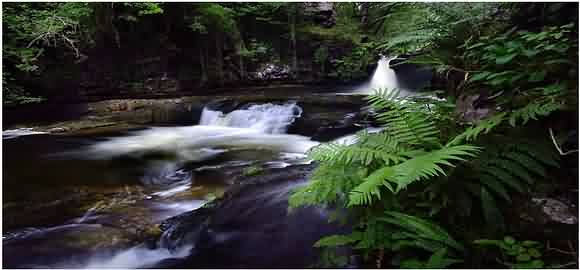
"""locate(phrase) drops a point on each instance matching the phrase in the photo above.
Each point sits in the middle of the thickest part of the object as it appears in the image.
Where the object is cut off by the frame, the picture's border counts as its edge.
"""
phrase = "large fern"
(377, 177)
(379, 166)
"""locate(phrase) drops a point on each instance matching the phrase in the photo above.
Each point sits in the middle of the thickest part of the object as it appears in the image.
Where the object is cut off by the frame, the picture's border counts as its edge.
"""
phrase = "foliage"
(400, 181)
(376, 172)
(354, 65)
(437, 261)
(30, 29)
(409, 27)
(527, 65)
(517, 254)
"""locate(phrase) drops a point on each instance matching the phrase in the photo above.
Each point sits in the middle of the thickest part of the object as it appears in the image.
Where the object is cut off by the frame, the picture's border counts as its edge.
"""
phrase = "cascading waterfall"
(259, 127)
(268, 118)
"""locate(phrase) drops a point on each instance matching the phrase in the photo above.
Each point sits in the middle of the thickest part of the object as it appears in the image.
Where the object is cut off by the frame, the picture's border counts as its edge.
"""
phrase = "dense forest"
(441, 185)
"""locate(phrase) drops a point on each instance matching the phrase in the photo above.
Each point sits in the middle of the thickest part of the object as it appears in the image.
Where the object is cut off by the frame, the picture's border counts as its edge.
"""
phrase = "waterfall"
(384, 77)
(268, 118)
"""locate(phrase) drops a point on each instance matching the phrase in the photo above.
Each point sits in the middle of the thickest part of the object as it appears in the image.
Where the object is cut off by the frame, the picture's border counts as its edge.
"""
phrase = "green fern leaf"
(528, 162)
(422, 228)
(427, 165)
(336, 240)
(512, 167)
(363, 193)
(533, 111)
(504, 177)
(483, 127)
(491, 213)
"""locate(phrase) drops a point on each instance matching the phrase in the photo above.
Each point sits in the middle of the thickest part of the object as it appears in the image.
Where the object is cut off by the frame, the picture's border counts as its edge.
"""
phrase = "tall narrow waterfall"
(384, 77)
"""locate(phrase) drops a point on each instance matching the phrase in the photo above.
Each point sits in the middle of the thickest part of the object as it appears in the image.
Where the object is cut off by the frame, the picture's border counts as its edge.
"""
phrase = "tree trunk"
(107, 33)
(203, 62)
(219, 44)
(364, 11)
(240, 47)
(292, 10)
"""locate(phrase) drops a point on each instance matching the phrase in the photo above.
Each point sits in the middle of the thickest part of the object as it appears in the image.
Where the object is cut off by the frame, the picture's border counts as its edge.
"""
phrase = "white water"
(257, 127)
(384, 77)
(137, 257)
(268, 118)
(15, 133)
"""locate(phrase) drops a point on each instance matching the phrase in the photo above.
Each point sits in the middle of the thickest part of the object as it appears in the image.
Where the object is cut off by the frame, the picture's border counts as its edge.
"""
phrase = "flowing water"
(384, 78)
(132, 180)
(96, 201)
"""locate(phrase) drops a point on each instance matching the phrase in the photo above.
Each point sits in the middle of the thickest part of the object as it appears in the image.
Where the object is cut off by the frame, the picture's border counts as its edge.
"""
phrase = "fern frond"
(407, 122)
(503, 176)
(328, 184)
(428, 164)
(357, 153)
(423, 166)
(482, 127)
(421, 228)
(494, 185)
(414, 38)
(337, 240)
(541, 151)
(363, 193)
(491, 212)
(532, 111)
(514, 168)
(527, 161)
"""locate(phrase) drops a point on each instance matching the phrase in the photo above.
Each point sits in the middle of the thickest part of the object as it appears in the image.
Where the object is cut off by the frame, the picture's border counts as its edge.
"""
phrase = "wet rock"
(249, 227)
(57, 130)
(547, 218)
(556, 211)
(469, 110)
(271, 71)
(46, 248)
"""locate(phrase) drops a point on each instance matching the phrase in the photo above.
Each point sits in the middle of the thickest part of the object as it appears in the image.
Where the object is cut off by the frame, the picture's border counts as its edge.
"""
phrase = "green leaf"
(480, 76)
(488, 242)
(537, 264)
(491, 212)
(335, 240)
(528, 243)
(505, 59)
(412, 263)
(558, 61)
(534, 253)
(523, 257)
(509, 240)
(537, 76)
